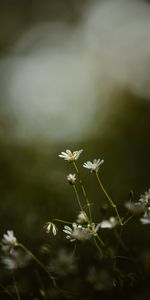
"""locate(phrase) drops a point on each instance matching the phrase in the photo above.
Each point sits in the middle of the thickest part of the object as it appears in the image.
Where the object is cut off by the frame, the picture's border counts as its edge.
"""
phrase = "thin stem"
(108, 197)
(78, 199)
(97, 246)
(7, 292)
(126, 221)
(83, 190)
(16, 288)
(120, 241)
(38, 262)
(100, 240)
(62, 221)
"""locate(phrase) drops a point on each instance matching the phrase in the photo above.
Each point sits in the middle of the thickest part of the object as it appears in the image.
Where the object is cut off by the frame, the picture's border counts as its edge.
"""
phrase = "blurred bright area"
(73, 75)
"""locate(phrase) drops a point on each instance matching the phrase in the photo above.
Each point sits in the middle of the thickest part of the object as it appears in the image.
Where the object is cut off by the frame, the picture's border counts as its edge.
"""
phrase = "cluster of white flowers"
(72, 156)
(141, 207)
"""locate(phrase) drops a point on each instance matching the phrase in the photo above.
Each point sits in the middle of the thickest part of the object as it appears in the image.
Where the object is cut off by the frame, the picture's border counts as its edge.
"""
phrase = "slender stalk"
(108, 197)
(38, 262)
(100, 240)
(16, 288)
(83, 190)
(62, 221)
(127, 220)
(7, 292)
(120, 241)
(78, 199)
(97, 246)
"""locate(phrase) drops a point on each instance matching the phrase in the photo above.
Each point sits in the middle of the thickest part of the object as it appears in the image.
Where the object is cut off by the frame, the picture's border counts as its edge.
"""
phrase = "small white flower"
(146, 219)
(17, 259)
(82, 217)
(77, 232)
(71, 178)
(9, 241)
(135, 207)
(63, 264)
(111, 223)
(93, 166)
(51, 226)
(94, 228)
(70, 156)
(145, 199)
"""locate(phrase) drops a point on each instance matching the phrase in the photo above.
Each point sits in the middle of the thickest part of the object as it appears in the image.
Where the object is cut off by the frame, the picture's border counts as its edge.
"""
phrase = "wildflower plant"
(85, 230)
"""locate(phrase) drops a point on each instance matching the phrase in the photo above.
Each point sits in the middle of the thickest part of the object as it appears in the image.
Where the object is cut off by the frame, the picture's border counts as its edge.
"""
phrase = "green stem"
(126, 221)
(78, 199)
(7, 292)
(83, 190)
(109, 199)
(38, 262)
(16, 288)
(62, 221)
(100, 240)
(97, 246)
(120, 241)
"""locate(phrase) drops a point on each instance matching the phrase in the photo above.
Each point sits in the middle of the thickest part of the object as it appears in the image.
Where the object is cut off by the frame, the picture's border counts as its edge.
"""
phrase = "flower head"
(70, 156)
(63, 263)
(77, 232)
(82, 217)
(17, 259)
(111, 223)
(50, 226)
(145, 219)
(145, 199)
(9, 241)
(93, 166)
(71, 178)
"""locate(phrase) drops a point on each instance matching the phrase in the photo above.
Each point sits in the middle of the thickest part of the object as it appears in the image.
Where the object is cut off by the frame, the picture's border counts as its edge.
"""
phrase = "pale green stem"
(120, 241)
(61, 221)
(83, 190)
(109, 199)
(16, 288)
(7, 292)
(78, 199)
(126, 221)
(38, 262)
(100, 240)
(97, 246)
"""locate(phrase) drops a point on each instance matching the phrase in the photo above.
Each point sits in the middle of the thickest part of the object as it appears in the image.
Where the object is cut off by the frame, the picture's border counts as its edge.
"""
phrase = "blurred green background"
(33, 182)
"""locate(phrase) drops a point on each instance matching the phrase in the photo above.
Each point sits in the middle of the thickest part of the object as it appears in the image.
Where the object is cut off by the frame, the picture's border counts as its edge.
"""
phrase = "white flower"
(93, 166)
(71, 178)
(17, 259)
(146, 219)
(135, 207)
(77, 232)
(82, 217)
(94, 228)
(9, 241)
(70, 156)
(145, 199)
(112, 222)
(63, 264)
(50, 226)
